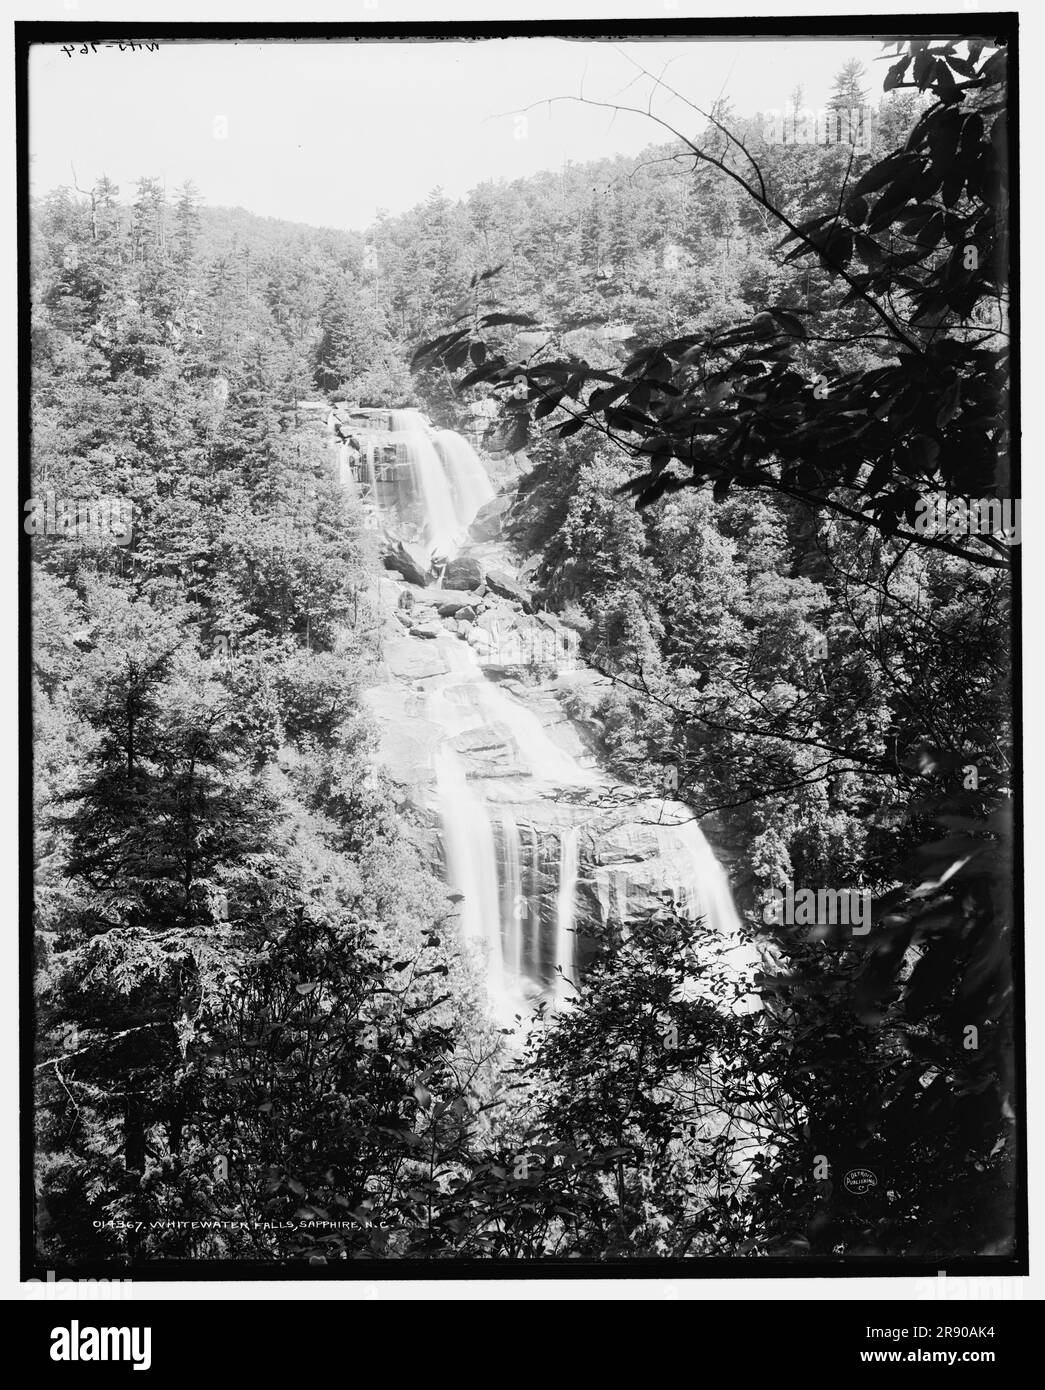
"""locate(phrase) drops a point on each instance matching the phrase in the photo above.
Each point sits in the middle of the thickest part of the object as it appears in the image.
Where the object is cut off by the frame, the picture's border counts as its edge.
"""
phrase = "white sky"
(326, 133)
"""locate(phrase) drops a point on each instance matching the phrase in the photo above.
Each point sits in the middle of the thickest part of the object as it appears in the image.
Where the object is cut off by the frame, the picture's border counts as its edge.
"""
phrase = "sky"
(327, 133)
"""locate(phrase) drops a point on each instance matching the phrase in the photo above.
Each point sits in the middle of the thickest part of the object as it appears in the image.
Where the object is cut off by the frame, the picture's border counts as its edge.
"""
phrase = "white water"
(437, 479)
(497, 909)
(471, 864)
(513, 900)
(470, 485)
(492, 849)
(566, 914)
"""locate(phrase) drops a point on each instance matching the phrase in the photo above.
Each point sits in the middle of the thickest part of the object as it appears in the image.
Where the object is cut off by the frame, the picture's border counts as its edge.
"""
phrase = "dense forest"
(734, 369)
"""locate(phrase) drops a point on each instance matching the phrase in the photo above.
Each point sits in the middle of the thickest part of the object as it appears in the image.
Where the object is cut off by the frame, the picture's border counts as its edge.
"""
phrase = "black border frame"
(1002, 26)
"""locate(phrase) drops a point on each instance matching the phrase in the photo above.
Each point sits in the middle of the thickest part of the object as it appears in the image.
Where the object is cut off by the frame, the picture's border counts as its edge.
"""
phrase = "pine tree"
(847, 101)
(186, 223)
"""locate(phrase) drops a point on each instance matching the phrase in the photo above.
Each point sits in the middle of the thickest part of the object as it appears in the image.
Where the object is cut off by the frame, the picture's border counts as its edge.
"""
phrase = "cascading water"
(565, 915)
(416, 477)
(513, 900)
(471, 863)
(430, 486)
(513, 804)
(470, 485)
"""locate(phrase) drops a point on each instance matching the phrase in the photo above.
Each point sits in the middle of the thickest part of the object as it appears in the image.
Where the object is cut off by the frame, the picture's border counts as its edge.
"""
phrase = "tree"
(186, 222)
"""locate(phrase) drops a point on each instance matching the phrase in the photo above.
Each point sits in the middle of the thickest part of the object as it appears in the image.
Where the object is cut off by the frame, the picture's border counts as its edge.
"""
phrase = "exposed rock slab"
(408, 658)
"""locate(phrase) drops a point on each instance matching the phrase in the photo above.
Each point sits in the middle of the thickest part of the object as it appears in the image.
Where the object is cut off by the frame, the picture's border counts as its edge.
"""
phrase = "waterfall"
(471, 862)
(532, 919)
(700, 887)
(485, 847)
(510, 798)
(430, 486)
(521, 889)
(513, 902)
(344, 473)
(369, 470)
(565, 914)
(470, 486)
(431, 481)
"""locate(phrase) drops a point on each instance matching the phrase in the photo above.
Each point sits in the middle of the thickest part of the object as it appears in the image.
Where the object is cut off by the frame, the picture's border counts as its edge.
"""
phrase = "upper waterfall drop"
(422, 480)
(470, 485)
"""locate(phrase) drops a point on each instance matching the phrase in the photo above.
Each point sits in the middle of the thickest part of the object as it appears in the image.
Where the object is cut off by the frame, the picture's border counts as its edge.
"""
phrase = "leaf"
(945, 83)
(571, 427)
(950, 405)
(804, 229)
(924, 66)
(486, 372)
(881, 173)
(307, 988)
(894, 76)
(496, 320)
(547, 405)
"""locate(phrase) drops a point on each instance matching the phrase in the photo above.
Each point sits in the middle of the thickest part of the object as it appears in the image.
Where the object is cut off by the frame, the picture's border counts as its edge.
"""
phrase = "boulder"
(427, 630)
(465, 615)
(488, 523)
(408, 560)
(507, 587)
(464, 572)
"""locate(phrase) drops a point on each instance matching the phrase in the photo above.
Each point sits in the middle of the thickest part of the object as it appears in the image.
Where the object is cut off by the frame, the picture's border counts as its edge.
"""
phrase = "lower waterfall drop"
(565, 916)
(471, 865)
(513, 903)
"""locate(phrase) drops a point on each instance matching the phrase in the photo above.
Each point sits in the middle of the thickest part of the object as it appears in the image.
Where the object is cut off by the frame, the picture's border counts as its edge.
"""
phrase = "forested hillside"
(255, 1010)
